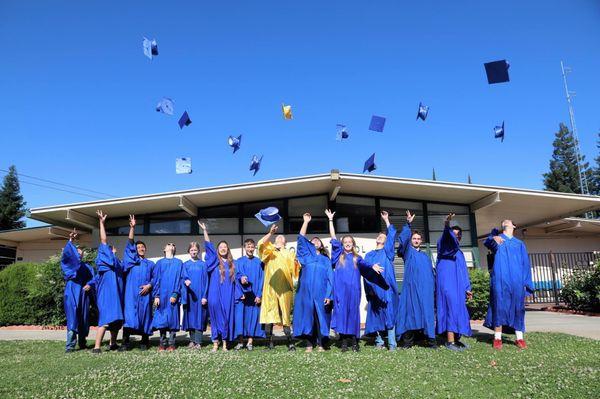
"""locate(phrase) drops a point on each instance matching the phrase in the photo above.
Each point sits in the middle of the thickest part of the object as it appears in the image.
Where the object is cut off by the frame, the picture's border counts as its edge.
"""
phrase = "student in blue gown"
(249, 278)
(170, 278)
(510, 283)
(139, 273)
(453, 288)
(77, 275)
(348, 268)
(108, 285)
(314, 294)
(195, 296)
(382, 306)
(222, 294)
(416, 312)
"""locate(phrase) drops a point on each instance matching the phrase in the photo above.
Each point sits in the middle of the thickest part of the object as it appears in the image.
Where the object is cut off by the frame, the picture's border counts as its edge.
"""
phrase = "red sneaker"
(521, 344)
(161, 348)
(171, 348)
(498, 344)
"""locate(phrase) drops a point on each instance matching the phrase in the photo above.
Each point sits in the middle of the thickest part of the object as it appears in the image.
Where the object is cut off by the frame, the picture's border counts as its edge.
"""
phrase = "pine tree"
(595, 180)
(433, 175)
(564, 174)
(12, 206)
(469, 179)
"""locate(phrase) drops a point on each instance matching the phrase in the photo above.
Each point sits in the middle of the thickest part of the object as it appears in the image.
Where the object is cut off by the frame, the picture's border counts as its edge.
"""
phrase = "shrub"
(480, 286)
(582, 290)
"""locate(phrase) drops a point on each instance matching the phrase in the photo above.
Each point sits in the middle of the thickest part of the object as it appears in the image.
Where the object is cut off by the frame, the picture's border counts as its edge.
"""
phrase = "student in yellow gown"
(281, 268)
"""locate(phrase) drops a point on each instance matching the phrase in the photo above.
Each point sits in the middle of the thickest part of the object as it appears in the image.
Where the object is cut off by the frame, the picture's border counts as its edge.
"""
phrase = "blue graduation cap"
(184, 120)
(497, 71)
(499, 132)
(165, 106)
(255, 164)
(150, 48)
(422, 112)
(183, 166)
(268, 216)
(235, 142)
(342, 132)
(377, 123)
(370, 164)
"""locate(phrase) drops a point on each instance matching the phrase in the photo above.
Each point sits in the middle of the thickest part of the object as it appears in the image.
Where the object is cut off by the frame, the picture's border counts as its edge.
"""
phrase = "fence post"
(554, 283)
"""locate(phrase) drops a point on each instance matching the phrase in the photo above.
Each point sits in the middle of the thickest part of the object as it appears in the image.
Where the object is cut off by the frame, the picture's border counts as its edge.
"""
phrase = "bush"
(480, 286)
(32, 293)
(582, 290)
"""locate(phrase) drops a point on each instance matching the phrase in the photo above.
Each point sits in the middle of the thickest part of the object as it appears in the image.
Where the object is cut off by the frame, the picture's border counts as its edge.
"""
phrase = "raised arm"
(306, 220)
(204, 231)
(102, 218)
(390, 237)
(265, 246)
(69, 261)
(493, 240)
(131, 227)
(447, 244)
(211, 259)
(330, 216)
(405, 235)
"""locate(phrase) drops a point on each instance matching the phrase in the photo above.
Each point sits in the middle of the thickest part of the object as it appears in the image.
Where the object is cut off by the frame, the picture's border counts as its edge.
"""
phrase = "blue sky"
(78, 95)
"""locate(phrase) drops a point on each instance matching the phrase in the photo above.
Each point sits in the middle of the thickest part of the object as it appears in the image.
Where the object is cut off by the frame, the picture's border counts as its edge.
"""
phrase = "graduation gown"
(315, 284)
(195, 315)
(138, 308)
(281, 268)
(416, 307)
(453, 282)
(247, 312)
(346, 289)
(167, 284)
(382, 305)
(108, 283)
(510, 279)
(221, 298)
(76, 301)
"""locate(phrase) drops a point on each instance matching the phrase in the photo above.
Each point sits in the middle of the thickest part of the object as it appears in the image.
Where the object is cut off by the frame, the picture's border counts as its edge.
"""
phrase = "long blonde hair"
(342, 261)
(222, 264)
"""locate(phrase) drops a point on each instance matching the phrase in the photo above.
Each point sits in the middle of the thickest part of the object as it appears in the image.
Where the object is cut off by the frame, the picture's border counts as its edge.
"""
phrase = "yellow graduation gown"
(281, 268)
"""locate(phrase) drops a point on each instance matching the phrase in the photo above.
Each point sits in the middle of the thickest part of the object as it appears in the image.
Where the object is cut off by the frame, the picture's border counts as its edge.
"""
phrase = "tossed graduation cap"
(370, 164)
(342, 132)
(255, 163)
(150, 48)
(422, 112)
(286, 110)
(183, 166)
(499, 132)
(377, 123)
(497, 71)
(165, 105)
(235, 142)
(184, 120)
(268, 216)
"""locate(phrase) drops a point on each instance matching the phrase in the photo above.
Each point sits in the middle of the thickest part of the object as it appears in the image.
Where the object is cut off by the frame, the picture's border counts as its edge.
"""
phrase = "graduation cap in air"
(268, 216)
(184, 120)
(370, 164)
(165, 106)
(183, 166)
(287, 111)
(255, 164)
(377, 123)
(422, 112)
(150, 48)
(499, 132)
(342, 132)
(235, 142)
(497, 71)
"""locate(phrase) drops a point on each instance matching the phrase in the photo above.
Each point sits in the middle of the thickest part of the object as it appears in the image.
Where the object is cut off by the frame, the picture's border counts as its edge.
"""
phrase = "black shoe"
(69, 350)
(344, 347)
(125, 347)
(114, 347)
(355, 348)
(291, 348)
(96, 351)
(143, 347)
(270, 346)
(83, 347)
(464, 346)
(453, 347)
(431, 344)
(406, 345)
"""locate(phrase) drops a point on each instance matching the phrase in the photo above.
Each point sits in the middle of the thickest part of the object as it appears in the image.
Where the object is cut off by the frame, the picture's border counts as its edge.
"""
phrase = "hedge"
(582, 290)
(480, 286)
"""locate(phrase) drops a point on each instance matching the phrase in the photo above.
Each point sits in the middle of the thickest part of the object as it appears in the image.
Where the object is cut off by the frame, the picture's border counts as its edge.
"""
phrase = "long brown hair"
(342, 261)
(222, 264)
(321, 250)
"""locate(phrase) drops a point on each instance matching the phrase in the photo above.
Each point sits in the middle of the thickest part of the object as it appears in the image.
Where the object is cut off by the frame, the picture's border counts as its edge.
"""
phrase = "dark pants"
(127, 332)
(409, 337)
(163, 338)
(196, 336)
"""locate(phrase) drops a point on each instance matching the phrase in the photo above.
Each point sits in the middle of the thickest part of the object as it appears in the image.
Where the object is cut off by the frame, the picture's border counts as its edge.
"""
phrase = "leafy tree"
(12, 205)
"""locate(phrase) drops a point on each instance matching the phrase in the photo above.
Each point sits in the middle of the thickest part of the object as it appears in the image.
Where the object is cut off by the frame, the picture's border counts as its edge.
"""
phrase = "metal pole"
(554, 284)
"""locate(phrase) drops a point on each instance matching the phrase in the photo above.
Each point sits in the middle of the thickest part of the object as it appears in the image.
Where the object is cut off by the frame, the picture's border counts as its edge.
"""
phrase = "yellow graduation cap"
(287, 111)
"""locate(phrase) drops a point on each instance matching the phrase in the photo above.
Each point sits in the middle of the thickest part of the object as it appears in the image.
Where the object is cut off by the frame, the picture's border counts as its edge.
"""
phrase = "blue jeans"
(72, 340)
(196, 336)
(391, 338)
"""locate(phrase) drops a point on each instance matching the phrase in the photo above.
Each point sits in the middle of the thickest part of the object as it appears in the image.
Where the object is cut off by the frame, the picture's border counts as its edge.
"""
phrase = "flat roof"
(32, 234)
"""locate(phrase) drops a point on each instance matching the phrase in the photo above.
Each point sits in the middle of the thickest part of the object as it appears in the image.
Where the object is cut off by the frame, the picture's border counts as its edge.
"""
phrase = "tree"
(595, 180)
(12, 206)
(433, 175)
(564, 173)
(469, 179)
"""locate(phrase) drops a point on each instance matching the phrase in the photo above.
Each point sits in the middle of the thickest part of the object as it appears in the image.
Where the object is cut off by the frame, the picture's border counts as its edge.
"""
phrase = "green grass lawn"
(555, 365)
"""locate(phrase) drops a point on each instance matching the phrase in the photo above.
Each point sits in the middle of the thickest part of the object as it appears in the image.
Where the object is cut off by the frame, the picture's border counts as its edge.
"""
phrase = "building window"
(315, 206)
(173, 223)
(436, 214)
(120, 227)
(251, 224)
(356, 215)
(221, 219)
(397, 211)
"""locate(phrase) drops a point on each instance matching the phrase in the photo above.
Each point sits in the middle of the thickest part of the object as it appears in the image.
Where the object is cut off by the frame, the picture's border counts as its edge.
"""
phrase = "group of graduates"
(246, 297)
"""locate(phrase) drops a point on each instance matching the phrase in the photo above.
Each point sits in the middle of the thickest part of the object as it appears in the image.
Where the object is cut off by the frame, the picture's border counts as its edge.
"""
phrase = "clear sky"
(78, 96)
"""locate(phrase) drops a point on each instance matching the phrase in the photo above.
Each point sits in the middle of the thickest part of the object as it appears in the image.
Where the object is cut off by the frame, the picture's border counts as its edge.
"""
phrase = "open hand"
(409, 217)
(469, 295)
(73, 235)
(378, 269)
(131, 220)
(329, 214)
(101, 216)
(257, 300)
(202, 225)
(273, 229)
(499, 240)
(449, 217)
(145, 289)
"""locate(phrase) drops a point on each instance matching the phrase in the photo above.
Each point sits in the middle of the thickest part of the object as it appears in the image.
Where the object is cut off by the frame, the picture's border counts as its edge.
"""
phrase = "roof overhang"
(17, 236)
(567, 227)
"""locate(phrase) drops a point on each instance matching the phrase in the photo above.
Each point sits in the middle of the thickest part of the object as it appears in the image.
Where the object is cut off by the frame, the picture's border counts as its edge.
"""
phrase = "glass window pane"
(464, 242)
(447, 208)
(317, 225)
(397, 211)
(254, 226)
(436, 222)
(170, 227)
(121, 227)
(313, 205)
(228, 211)
(223, 225)
(356, 214)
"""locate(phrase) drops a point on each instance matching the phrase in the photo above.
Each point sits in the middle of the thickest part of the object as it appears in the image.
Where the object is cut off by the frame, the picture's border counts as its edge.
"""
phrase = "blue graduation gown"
(416, 307)
(510, 278)
(138, 308)
(247, 321)
(346, 289)
(221, 299)
(195, 315)
(453, 282)
(382, 305)
(109, 287)
(315, 284)
(76, 301)
(167, 284)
